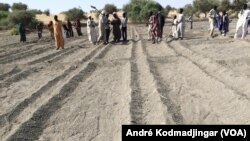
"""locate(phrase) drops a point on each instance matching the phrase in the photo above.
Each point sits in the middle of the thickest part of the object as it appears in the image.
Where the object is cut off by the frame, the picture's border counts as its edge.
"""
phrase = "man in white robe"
(242, 23)
(91, 30)
(101, 27)
(211, 17)
(180, 24)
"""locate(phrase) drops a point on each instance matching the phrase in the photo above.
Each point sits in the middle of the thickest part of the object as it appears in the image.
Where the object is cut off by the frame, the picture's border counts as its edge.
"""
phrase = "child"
(174, 27)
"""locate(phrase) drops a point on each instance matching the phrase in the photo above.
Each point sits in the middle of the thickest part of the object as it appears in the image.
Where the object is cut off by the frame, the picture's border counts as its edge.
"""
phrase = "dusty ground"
(87, 92)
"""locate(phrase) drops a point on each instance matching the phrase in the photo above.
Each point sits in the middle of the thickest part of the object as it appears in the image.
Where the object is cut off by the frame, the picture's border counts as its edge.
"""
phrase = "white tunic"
(91, 31)
(242, 24)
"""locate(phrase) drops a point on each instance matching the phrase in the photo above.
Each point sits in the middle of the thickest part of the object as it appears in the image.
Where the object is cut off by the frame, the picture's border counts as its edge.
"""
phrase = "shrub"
(14, 31)
(110, 8)
(25, 17)
(3, 14)
(35, 11)
(4, 22)
(138, 11)
(19, 6)
(46, 12)
(74, 14)
(4, 7)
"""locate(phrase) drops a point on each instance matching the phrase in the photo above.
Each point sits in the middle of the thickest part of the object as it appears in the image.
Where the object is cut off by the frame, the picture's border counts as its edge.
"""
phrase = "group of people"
(155, 25)
(218, 20)
(178, 25)
(68, 28)
(101, 32)
(221, 21)
(104, 28)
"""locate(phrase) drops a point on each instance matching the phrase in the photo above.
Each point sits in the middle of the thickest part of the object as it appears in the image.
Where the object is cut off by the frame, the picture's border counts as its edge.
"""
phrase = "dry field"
(87, 92)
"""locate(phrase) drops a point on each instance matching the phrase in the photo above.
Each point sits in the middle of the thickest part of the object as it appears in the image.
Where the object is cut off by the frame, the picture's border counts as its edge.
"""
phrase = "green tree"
(3, 14)
(21, 16)
(225, 5)
(150, 6)
(46, 12)
(110, 8)
(138, 10)
(4, 7)
(205, 5)
(19, 6)
(189, 9)
(35, 11)
(167, 9)
(74, 14)
(237, 4)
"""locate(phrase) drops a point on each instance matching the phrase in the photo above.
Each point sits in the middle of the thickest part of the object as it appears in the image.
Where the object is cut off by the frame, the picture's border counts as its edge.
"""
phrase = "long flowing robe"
(211, 18)
(242, 24)
(101, 27)
(58, 34)
(225, 24)
(174, 29)
(91, 31)
(78, 28)
(150, 22)
(181, 25)
(218, 21)
(22, 33)
(155, 28)
(116, 22)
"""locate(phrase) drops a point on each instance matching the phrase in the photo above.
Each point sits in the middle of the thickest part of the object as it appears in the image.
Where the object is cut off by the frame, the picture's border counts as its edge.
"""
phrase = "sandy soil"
(87, 92)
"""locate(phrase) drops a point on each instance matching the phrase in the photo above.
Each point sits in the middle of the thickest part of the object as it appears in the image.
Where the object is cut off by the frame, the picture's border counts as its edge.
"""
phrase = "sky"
(57, 6)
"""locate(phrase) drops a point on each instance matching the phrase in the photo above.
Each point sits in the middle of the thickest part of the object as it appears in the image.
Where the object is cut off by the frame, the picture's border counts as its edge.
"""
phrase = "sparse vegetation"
(46, 12)
(19, 6)
(110, 8)
(74, 14)
(138, 10)
(13, 31)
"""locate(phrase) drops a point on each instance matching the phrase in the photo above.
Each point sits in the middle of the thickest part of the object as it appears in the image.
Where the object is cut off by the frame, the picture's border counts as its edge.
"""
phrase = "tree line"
(137, 10)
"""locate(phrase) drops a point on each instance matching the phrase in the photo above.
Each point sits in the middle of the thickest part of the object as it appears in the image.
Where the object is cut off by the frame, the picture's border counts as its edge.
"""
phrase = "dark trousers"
(71, 33)
(124, 33)
(161, 31)
(191, 25)
(22, 37)
(107, 35)
(40, 35)
(79, 32)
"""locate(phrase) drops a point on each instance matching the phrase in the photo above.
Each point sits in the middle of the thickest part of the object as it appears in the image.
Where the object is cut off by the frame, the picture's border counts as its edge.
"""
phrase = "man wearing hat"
(101, 26)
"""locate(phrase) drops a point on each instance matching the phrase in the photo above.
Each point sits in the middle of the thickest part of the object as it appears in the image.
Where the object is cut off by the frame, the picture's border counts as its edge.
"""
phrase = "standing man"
(211, 17)
(91, 30)
(242, 23)
(180, 24)
(107, 29)
(124, 27)
(59, 41)
(116, 22)
(161, 19)
(78, 27)
(101, 27)
(22, 32)
(70, 28)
